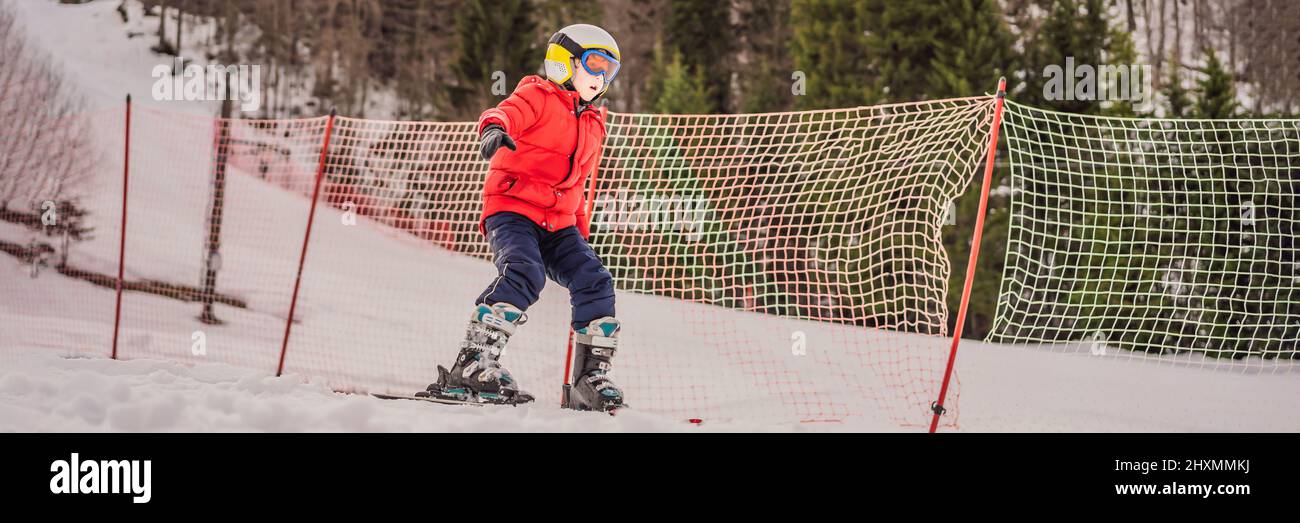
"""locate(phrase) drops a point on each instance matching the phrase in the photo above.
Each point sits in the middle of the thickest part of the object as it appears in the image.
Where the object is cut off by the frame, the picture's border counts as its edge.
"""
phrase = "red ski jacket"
(559, 140)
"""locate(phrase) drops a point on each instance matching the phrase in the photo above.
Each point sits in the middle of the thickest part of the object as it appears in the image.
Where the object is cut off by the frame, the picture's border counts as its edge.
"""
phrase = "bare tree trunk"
(230, 21)
(1154, 53)
(162, 26)
(1234, 27)
(279, 87)
(180, 22)
(1201, 16)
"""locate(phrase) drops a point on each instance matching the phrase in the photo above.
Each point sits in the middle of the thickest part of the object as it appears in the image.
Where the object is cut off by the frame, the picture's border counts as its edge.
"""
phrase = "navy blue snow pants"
(526, 254)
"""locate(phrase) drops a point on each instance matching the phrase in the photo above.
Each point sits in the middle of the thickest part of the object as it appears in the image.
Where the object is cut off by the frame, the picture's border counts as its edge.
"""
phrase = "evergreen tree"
(766, 76)
(1176, 95)
(1073, 29)
(1121, 52)
(899, 42)
(828, 47)
(492, 35)
(1216, 96)
(701, 32)
(675, 89)
(973, 47)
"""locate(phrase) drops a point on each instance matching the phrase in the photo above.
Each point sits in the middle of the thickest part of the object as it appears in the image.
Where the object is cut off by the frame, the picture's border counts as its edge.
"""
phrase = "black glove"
(494, 136)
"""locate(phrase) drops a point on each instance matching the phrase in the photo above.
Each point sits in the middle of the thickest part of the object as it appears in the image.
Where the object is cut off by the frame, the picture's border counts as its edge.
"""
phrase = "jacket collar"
(570, 97)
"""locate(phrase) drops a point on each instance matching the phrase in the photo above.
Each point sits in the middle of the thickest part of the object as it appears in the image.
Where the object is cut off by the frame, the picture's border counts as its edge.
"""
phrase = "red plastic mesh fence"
(771, 267)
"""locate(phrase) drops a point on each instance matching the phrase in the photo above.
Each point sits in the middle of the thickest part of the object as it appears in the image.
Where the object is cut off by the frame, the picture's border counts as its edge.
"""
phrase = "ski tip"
(695, 421)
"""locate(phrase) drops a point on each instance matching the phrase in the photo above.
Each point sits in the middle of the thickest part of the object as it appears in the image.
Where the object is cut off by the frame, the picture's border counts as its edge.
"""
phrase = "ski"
(430, 399)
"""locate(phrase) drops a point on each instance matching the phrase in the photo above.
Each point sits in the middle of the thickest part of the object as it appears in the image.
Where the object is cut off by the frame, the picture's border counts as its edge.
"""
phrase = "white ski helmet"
(592, 46)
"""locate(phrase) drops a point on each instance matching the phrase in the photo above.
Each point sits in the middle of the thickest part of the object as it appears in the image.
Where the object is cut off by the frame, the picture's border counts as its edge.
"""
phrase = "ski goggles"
(600, 63)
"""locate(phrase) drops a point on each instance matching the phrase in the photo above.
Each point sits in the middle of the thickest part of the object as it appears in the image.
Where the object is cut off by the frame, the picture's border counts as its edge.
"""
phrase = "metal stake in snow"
(937, 407)
(306, 238)
(121, 244)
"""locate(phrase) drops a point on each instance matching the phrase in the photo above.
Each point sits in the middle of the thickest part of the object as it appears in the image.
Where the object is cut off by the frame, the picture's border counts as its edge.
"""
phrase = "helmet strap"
(567, 43)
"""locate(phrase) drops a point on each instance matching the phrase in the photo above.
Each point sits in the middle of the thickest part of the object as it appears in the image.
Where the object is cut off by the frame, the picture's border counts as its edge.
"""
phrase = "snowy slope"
(1007, 389)
(45, 392)
(90, 43)
(379, 309)
(1002, 388)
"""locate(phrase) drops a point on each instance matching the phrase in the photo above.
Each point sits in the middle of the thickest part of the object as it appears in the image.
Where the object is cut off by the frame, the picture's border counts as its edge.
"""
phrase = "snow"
(91, 37)
(43, 391)
(379, 309)
(1007, 389)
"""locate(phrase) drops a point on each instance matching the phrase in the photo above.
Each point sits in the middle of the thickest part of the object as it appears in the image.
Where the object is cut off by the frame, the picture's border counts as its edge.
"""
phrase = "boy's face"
(587, 84)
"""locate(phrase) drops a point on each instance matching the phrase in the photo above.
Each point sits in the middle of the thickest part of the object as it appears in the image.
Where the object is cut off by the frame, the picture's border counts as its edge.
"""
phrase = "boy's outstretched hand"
(494, 136)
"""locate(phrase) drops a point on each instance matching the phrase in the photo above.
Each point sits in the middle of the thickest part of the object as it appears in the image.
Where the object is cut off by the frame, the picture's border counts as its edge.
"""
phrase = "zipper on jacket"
(577, 115)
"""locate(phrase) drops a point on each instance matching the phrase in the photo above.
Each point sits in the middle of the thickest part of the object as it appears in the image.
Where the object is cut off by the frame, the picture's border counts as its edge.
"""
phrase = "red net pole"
(937, 407)
(568, 368)
(306, 238)
(121, 244)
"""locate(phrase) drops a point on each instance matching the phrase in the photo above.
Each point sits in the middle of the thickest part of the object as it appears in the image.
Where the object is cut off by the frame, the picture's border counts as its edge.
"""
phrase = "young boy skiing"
(543, 142)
